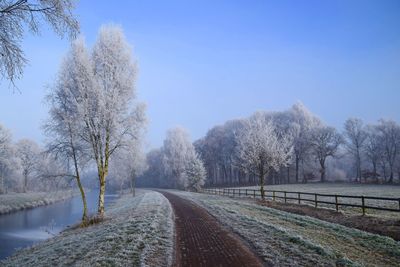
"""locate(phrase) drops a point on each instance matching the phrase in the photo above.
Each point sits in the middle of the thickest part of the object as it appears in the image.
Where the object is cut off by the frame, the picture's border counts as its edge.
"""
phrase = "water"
(27, 227)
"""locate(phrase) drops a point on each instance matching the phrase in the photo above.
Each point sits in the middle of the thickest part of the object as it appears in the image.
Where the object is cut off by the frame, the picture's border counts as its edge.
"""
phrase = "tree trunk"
(84, 215)
(262, 175)
(133, 185)
(322, 163)
(102, 191)
(375, 176)
(25, 182)
(297, 168)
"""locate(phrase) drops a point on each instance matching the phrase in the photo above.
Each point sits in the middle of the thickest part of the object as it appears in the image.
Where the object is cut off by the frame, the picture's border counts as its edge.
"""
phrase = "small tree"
(373, 148)
(194, 174)
(28, 153)
(325, 142)
(261, 150)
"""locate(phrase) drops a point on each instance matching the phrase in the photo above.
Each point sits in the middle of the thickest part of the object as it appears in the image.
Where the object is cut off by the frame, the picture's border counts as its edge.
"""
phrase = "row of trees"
(94, 114)
(281, 147)
(25, 166)
(296, 146)
(175, 165)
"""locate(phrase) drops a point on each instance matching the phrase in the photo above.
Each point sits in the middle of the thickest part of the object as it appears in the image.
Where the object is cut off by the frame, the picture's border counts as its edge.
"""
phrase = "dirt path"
(201, 240)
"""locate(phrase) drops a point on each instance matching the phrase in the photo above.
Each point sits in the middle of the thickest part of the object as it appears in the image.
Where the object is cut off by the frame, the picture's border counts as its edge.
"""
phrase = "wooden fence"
(315, 198)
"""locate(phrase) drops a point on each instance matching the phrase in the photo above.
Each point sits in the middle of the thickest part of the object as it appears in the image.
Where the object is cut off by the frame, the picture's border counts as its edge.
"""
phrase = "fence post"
(239, 192)
(246, 192)
(273, 195)
(336, 203)
(298, 195)
(316, 200)
(285, 196)
(254, 195)
(363, 205)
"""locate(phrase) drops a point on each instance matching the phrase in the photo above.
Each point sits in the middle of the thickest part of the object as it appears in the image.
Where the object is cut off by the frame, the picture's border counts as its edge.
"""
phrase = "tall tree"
(111, 115)
(355, 140)
(261, 150)
(5, 156)
(325, 142)
(64, 126)
(18, 15)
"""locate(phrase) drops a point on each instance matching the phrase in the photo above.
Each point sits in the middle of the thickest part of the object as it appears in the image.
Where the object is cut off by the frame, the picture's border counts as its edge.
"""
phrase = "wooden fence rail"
(315, 198)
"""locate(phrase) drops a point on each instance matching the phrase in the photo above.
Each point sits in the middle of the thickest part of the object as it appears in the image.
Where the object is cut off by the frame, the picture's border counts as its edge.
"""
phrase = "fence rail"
(316, 198)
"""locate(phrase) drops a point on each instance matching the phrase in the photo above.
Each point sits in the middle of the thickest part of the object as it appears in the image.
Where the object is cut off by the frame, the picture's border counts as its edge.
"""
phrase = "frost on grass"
(137, 232)
(19, 201)
(285, 239)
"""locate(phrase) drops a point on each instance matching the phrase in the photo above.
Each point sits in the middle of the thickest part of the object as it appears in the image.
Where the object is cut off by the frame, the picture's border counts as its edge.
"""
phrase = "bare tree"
(261, 150)
(356, 137)
(389, 132)
(325, 142)
(16, 15)
(373, 148)
(28, 152)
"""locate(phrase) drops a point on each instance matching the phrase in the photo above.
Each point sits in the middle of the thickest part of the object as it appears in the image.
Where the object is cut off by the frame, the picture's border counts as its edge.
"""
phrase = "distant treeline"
(291, 146)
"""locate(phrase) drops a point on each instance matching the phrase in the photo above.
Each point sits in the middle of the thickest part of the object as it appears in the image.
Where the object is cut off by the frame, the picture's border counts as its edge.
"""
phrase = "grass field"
(391, 191)
(285, 239)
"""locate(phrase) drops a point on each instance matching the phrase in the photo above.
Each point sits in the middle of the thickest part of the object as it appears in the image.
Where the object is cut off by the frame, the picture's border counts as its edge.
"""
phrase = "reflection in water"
(27, 227)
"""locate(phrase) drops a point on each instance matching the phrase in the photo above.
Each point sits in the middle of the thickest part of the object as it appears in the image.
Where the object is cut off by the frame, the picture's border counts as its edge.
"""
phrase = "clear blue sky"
(204, 62)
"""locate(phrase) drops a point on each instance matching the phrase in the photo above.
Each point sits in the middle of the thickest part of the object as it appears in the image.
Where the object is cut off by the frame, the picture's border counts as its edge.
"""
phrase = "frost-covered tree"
(194, 174)
(28, 153)
(325, 142)
(64, 126)
(6, 156)
(260, 148)
(373, 148)
(355, 139)
(302, 123)
(389, 132)
(127, 165)
(108, 116)
(108, 108)
(16, 16)
(177, 151)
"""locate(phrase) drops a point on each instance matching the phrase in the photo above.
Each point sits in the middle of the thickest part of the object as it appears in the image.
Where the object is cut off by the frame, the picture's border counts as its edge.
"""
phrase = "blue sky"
(204, 62)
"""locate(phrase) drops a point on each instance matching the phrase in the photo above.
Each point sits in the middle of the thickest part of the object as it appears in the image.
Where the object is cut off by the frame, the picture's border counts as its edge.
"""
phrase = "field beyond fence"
(335, 201)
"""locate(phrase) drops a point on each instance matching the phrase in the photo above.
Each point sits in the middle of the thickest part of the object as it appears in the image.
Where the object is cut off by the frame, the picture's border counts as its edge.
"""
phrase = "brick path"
(201, 241)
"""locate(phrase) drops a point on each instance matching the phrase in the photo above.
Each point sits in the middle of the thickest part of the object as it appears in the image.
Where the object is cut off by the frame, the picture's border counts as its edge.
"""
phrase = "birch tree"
(64, 126)
(356, 137)
(111, 115)
(325, 142)
(260, 150)
(17, 16)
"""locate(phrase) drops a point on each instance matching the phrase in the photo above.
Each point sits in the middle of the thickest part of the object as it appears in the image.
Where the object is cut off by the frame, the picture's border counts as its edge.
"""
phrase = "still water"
(27, 227)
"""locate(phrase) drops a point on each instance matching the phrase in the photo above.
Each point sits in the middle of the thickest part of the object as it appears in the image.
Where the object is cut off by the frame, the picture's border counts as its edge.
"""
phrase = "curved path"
(201, 240)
